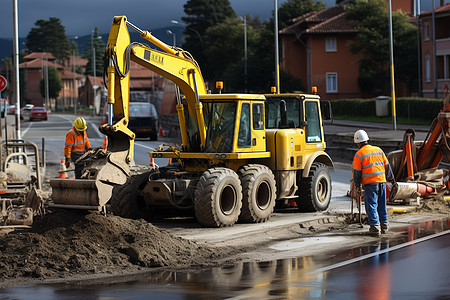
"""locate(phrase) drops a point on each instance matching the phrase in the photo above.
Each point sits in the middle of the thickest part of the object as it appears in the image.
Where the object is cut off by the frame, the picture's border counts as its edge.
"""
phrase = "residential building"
(315, 49)
(33, 69)
(430, 86)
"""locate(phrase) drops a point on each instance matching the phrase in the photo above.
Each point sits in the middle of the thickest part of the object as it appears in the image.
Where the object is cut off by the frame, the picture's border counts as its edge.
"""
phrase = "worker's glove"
(68, 161)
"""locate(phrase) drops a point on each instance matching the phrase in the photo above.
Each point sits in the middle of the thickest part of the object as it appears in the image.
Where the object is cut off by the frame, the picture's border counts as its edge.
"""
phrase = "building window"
(426, 31)
(332, 83)
(427, 69)
(330, 44)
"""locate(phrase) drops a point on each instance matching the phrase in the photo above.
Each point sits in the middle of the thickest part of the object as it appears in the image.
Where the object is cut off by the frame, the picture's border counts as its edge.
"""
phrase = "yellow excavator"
(240, 153)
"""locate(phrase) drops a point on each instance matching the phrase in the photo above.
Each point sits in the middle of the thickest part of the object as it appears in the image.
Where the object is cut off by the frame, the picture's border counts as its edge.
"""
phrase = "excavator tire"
(126, 200)
(258, 193)
(315, 190)
(218, 198)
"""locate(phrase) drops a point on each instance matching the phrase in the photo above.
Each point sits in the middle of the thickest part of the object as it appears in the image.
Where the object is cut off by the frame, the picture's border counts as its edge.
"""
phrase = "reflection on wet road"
(417, 270)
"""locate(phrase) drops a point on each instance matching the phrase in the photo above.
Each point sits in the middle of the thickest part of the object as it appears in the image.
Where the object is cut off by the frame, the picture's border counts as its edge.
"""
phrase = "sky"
(80, 17)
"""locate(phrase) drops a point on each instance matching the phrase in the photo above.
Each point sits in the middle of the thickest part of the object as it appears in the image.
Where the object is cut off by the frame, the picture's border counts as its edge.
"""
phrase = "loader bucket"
(103, 170)
(80, 193)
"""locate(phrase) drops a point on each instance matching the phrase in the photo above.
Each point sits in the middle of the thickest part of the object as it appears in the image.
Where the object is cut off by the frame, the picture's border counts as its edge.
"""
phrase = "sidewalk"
(378, 132)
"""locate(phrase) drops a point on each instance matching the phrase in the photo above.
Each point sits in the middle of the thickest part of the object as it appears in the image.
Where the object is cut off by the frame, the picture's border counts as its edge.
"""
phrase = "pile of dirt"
(67, 243)
(439, 206)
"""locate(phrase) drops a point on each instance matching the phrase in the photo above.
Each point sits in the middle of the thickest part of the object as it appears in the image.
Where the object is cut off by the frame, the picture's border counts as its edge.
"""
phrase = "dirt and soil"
(67, 244)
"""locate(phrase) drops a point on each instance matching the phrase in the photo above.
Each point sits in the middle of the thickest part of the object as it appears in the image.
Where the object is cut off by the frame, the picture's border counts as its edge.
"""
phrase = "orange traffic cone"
(160, 132)
(105, 142)
(170, 161)
(152, 163)
(62, 169)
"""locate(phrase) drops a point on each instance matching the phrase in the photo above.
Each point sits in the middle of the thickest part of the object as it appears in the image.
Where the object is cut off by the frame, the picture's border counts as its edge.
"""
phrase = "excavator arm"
(173, 64)
(106, 169)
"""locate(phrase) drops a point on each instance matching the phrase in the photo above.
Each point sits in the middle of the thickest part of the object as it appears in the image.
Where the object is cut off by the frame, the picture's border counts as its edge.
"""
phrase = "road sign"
(3, 83)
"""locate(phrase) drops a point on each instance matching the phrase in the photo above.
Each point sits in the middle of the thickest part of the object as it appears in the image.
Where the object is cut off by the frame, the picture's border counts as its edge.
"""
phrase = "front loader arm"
(172, 64)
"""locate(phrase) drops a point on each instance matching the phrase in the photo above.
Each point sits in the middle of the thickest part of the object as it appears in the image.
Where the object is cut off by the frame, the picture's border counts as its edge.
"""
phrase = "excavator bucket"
(103, 170)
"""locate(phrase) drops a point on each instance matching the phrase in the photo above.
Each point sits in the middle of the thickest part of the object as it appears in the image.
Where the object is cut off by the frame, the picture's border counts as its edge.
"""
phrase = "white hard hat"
(360, 136)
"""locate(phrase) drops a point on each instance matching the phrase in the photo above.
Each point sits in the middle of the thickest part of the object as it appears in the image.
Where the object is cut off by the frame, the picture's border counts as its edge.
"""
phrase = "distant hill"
(6, 45)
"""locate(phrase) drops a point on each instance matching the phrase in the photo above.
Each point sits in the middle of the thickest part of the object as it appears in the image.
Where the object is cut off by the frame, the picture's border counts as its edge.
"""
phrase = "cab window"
(258, 120)
(273, 115)
(313, 132)
(244, 136)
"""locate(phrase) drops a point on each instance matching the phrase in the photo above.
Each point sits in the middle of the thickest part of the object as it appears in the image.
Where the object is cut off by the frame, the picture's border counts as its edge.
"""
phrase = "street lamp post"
(245, 53)
(188, 28)
(174, 36)
(74, 88)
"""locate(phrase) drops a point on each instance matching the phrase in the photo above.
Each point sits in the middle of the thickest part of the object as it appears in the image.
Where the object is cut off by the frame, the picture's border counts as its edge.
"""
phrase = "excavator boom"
(105, 169)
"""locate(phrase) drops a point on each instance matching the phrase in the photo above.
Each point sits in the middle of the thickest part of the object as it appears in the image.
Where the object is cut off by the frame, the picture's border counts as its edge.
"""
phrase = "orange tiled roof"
(336, 24)
(41, 55)
(38, 63)
(328, 20)
(442, 9)
(67, 74)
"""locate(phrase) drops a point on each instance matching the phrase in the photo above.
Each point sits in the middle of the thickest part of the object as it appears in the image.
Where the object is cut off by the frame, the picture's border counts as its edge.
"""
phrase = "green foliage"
(406, 108)
(362, 107)
(95, 43)
(372, 42)
(201, 15)
(215, 38)
(54, 84)
(49, 36)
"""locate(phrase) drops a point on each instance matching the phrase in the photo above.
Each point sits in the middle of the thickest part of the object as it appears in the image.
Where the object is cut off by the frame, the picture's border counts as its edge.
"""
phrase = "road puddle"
(296, 277)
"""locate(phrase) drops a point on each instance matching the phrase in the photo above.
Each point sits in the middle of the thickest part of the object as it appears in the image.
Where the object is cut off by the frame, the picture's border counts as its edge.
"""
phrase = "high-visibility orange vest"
(371, 161)
(76, 142)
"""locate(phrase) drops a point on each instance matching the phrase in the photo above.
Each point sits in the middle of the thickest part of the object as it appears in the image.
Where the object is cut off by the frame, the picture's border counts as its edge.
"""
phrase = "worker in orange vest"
(371, 169)
(76, 144)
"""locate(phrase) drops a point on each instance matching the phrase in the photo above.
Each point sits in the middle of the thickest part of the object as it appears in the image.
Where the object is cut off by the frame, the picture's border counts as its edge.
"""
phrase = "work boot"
(374, 231)
(384, 228)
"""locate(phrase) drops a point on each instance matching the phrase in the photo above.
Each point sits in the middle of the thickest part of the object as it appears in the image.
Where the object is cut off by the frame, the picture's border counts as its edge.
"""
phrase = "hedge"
(417, 108)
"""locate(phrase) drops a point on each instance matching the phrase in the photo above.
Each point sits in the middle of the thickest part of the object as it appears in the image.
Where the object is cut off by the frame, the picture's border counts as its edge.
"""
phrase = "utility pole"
(277, 56)
(16, 67)
(391, 50)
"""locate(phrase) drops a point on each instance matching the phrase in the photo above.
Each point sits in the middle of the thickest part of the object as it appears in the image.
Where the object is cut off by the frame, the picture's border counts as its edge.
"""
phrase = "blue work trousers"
(375, 202)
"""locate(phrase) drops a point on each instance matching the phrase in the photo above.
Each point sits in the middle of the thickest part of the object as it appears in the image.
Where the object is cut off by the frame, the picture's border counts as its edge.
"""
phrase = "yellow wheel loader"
(240, 153)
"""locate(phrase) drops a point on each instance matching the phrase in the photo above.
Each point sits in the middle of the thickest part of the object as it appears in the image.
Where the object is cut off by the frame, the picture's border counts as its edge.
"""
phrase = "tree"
(54, 84)
(96, 43)
(49, 36)
(372, 42)
(201, 15)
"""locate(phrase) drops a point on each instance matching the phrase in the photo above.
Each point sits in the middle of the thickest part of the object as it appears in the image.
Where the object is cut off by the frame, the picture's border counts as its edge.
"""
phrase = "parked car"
(143, 120)
(38, 113)
(11, 109)
(25, 111)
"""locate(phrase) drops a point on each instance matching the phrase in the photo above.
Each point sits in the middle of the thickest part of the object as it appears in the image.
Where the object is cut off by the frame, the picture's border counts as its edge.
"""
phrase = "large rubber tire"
(218, 198)
(258, 193)
(126, 200)
(315, 190)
